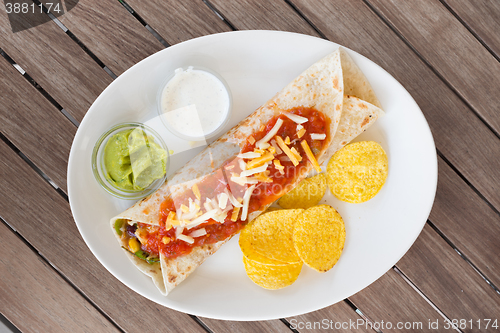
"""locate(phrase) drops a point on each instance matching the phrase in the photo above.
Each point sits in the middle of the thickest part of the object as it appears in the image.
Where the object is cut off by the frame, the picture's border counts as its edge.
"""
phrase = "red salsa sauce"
(263, 194)
(266, 193)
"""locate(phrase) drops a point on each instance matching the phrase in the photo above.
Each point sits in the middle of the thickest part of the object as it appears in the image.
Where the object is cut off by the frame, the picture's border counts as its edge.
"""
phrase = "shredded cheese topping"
(232, 199)
(287, 150)
(275, 145)
(270, 134)
(310, 155)
(295, 118)
(185, 238)
(196, 191)
(316, 136)
(260, 161)
(198, 233)
(246, 202)
(223, 200)
(296, 153)
(249, 155)
(236, 211)
(243, 180)
(278, 166)
(253, 171)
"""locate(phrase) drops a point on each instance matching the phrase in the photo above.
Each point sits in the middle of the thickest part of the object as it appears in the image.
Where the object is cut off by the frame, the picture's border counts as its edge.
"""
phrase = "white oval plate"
(256, 65)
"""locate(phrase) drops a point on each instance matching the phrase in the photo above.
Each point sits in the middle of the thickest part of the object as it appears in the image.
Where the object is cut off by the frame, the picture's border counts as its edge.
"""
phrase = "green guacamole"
(133, 160)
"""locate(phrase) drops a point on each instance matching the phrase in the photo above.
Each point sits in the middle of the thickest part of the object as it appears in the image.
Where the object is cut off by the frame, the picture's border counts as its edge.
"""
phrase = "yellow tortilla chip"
(272, 276)
(357, 172)
(307, 194)
(319, 236)
(271, 209)
(249, 252)
(272, 235)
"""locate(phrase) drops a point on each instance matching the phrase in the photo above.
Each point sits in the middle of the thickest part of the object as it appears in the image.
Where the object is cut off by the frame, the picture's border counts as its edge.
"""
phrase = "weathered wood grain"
(177, 21)
(57, 63)
(390, 300)
(111, 33)
(326, 319)
(269, 15)
(483, 17)
(43, 217)
(449, 282)
(221, 326)
(34, 125)
(472, 225)
(458, 133)
(451, 49)
(35, 298)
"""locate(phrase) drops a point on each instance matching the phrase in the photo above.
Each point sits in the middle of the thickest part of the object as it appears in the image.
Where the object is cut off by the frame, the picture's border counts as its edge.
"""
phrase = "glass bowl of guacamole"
(130, 161)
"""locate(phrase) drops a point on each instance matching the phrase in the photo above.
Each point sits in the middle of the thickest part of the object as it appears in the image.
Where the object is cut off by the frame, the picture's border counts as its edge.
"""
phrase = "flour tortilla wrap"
(355, 82)
(357, 116)
(152, 270)
(319, 87)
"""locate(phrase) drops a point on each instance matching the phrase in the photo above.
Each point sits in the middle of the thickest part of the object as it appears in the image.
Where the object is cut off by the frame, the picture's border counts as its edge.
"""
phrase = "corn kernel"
(134, 245)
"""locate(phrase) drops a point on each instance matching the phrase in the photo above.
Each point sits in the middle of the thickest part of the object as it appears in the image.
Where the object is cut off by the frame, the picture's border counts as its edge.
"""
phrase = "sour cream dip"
(195, 103)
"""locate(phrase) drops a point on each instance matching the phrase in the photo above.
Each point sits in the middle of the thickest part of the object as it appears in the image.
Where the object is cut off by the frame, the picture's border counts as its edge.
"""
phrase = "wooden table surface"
(446, 53)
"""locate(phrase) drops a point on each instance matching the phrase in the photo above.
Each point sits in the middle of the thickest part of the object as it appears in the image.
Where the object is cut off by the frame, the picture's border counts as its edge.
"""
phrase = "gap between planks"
(75, 39)
(144, 23)
(414, 287)
(471, 30)
(431, 67)
(463, 256)
(39, 88)
(58, 272)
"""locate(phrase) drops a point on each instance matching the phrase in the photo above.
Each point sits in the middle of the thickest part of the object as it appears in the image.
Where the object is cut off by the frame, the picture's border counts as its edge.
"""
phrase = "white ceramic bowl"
(192, 117)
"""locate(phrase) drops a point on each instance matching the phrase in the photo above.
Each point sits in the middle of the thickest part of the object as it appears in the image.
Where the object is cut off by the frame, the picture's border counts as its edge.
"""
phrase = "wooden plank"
(221, 326)
(177, 21)
(57, 63)
(459, 135)
(265, 15)
(34, 125)
(35, 298)
(111, 33)
(451, 49)
(339, 317)
(449, 282)
(468, 222)
(393, 305)
(482, 17)
(43, 217)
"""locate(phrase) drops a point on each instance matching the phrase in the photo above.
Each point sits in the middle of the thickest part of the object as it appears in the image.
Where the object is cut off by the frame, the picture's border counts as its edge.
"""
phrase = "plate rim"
(264, 33)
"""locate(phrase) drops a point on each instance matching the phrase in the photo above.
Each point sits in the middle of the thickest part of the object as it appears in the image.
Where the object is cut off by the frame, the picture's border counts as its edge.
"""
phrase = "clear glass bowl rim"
(124, 194)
